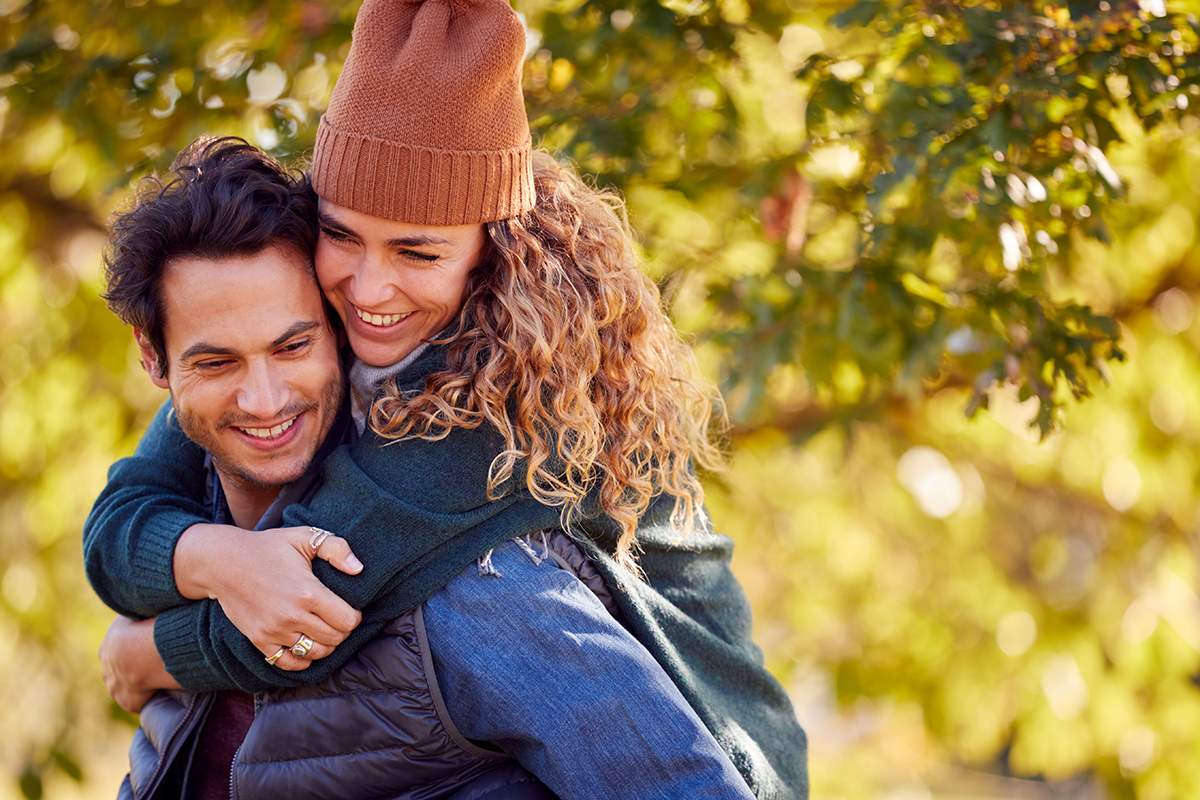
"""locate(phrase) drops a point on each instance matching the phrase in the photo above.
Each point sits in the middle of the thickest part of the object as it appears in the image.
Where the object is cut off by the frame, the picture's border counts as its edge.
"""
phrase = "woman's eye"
(424, 258)
(335, 235)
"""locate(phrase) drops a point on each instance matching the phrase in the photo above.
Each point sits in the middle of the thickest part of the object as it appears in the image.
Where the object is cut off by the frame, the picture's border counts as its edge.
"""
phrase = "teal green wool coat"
(417, 513)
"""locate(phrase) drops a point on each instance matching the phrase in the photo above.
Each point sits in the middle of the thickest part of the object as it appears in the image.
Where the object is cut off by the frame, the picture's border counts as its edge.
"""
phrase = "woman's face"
(394, 284)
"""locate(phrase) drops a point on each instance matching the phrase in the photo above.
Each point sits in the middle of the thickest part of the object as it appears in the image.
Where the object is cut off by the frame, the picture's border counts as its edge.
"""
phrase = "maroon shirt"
(227, 724)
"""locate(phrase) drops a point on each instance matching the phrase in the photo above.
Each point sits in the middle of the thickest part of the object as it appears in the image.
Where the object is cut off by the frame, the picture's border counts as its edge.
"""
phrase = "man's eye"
(294, 347)
(335, 235)
(211, 365)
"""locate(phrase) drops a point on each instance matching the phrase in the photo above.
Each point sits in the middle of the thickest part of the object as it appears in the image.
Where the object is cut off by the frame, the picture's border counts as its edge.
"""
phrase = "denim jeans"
(530, 661)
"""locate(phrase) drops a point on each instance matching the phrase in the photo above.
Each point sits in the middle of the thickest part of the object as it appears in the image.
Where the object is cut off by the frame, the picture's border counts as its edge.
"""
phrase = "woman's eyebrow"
(329, 222)
(417, 241)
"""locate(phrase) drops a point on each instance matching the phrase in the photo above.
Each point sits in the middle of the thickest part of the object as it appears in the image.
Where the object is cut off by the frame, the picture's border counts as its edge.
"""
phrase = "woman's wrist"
(200, 555)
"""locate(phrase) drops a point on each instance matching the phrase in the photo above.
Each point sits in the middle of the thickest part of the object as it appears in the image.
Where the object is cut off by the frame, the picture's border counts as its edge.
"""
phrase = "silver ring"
(318, 538)
(272, 659)
(300, 649)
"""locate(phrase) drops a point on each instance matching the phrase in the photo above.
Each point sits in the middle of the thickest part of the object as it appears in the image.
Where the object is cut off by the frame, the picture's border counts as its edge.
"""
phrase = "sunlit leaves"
(871, 217)
(139, 90)
(991, 126)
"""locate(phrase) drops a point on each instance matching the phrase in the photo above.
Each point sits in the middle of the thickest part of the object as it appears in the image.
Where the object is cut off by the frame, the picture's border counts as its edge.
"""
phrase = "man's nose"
(264, 392)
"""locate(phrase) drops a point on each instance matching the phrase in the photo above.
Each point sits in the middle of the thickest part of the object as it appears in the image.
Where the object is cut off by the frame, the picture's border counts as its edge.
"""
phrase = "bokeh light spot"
(798, 43)
(1167, 409)
(20, 586)
(1137, 750)
(266, 84)
(1016, 633)
(931, 480)
(1065, 689)
(1121, 484)
(1174, 311)
(1138, 622)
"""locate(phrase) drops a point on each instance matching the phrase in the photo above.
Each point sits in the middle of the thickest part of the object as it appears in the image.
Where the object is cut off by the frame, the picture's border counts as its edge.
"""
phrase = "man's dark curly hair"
(222, 198)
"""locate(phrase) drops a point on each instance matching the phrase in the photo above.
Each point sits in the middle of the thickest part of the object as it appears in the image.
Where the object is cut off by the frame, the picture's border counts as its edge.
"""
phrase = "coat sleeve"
(530, 661)
(129, 542)
(379, 498)
(129, 537)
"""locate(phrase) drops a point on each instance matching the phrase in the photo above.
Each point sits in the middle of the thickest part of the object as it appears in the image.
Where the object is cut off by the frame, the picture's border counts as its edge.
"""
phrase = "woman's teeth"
(380, 320)
(268, 433)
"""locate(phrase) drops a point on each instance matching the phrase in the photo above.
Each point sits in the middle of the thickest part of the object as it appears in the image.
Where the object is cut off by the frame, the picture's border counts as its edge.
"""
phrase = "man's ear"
(149, 358)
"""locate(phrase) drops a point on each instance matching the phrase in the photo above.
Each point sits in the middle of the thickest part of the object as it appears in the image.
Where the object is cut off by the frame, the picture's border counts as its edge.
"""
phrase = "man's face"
(252, 364)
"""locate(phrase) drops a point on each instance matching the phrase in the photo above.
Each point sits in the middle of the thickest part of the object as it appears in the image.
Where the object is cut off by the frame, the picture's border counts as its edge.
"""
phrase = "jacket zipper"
(258, 697)
(168, 754)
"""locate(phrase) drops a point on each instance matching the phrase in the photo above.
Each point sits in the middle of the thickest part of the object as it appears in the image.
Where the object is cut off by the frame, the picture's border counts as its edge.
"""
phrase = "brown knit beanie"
(427, 122)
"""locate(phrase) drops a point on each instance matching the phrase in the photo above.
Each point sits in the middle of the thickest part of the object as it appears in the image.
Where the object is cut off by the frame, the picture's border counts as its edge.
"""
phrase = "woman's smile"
(380, 320)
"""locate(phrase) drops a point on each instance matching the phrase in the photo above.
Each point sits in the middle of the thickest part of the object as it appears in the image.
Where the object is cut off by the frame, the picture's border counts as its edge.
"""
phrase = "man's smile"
(268, 433)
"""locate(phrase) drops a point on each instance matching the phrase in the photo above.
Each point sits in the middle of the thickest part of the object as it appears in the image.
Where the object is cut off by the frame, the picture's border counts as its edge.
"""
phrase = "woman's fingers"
(322, 633)
(337, 552)
(315, 542)
(283, 657)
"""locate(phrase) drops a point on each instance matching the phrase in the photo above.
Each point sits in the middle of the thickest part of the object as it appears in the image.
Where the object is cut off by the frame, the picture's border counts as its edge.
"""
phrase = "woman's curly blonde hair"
(563, 345)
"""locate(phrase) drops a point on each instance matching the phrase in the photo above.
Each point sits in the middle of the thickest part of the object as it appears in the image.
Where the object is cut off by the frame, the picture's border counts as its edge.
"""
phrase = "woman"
(509, 345)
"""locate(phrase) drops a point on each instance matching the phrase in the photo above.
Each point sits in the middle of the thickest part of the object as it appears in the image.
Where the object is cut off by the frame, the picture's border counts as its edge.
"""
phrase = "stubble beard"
(331, 401)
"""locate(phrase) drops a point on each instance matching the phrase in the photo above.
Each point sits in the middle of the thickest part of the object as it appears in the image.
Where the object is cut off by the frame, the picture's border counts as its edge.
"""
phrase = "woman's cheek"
(328, 267)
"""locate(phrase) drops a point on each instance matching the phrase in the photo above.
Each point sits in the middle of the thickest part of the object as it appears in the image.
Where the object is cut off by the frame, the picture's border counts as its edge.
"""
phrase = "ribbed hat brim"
(421, 185)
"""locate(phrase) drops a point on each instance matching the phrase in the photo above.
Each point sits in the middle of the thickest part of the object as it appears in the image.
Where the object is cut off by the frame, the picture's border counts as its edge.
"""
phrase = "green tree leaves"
(872, 217)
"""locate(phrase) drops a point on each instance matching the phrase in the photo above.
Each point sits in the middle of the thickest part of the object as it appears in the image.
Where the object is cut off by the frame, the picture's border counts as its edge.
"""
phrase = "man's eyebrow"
(206, 349)
(297, 328)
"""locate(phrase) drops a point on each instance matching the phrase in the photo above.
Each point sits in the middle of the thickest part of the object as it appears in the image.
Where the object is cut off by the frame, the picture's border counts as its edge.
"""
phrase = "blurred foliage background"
(875, 219)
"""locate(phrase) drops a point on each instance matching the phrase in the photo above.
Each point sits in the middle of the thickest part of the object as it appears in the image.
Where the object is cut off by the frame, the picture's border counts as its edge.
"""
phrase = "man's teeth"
(382, 320)
(268, 433)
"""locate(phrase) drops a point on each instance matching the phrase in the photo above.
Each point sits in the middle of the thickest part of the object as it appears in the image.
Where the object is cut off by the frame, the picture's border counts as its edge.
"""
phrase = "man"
(213, 270)
(237, 331)
(214, 273)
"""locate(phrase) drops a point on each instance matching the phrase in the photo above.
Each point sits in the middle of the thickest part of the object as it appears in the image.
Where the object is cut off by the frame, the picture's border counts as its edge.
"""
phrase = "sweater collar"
(366, 381)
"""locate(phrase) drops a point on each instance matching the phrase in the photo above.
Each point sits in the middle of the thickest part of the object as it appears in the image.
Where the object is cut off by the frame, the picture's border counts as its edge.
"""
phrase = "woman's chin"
(379, 354)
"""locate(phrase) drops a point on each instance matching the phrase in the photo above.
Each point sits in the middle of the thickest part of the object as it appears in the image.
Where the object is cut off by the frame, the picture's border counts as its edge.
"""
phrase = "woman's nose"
(373, 282)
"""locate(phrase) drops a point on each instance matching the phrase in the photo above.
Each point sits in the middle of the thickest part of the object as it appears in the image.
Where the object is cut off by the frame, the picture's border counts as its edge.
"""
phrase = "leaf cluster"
(982, 130)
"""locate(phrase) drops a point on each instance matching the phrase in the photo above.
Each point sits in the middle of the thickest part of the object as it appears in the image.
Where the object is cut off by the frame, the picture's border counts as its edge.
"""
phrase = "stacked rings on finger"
(272, 659)
(300, 649)
(318, 538)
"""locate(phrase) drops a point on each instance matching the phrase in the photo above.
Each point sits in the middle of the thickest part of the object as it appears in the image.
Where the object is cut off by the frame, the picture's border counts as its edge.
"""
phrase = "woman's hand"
(265, 585)
(133, 670)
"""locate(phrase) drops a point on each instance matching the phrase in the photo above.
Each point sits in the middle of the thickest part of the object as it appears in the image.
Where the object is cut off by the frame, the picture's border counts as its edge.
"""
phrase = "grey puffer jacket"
(377, 728)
